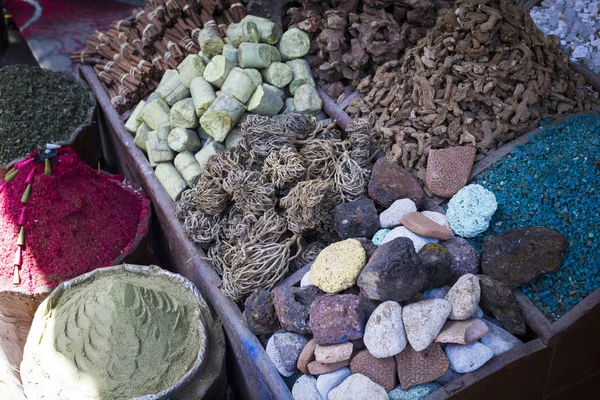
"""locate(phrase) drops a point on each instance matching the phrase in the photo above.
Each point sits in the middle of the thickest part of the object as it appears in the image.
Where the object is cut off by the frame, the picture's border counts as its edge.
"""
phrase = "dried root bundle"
(303, 203)
(283, 166)
(350, 178)
(210, 197)
(309, 254)
(262, 135)
(201, 228)
(299, 123)
(250, 191)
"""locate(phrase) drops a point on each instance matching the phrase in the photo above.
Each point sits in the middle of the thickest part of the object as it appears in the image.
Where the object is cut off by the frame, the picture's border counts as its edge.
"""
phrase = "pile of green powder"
(38, 107)
(117, 336)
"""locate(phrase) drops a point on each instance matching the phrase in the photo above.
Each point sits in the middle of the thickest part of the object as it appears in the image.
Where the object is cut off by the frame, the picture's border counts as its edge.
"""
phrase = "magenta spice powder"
(75, 220)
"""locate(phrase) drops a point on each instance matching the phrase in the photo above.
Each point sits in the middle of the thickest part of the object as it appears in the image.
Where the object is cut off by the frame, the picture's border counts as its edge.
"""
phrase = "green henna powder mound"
(113, 336)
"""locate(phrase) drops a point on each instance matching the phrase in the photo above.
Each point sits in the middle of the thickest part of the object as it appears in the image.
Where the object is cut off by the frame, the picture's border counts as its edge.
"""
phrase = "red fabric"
(76, 220)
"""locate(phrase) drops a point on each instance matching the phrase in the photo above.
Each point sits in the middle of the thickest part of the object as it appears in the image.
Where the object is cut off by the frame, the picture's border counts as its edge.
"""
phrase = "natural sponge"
(470, 210)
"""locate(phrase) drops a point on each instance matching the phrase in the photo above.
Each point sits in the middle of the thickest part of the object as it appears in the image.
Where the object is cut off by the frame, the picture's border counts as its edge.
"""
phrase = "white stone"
(468, 357)
(384, 333)
(402, 231)
(358, 387)
(284, 348)
(437, 217)
(424, 320)
(305, 388)
(499, 340)
(391, 217)
(464, 297)
(306, 280)
(326, 382)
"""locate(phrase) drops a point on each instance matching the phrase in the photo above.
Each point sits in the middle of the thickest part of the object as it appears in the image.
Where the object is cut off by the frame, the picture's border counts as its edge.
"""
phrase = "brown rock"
(260, 313)
(497, 298)
(336, 318)
(317, 368)
(418, 367)
(382, 371)
(390, 182)
(462, 332)
(421, 225)
(333, 353)
(448, 169)
(307, 356)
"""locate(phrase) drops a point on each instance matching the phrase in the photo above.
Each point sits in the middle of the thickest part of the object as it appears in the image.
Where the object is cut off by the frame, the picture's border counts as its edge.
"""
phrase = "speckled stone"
(462, 332)
(418, 367)
(283, 349)
(436, 261)
(520, 255)
(379, 236)
(336, 318)
(464, 297)
(402, 231)
(293, 307)
(326, 382)
(423, 226)
(306, 356)
(466, 259)
(393, 273)
(317, 368)
(338, 265)
(356, 218)
(414, 393)
(424, 320)
(260, 314)
(497, 298)
(382, 371)
(358, 387)
(368, 245)
(333, 353)
(390, 182)
(468, 357)
(391, 217)
(470, 210)
(305, 388)
(448, 169)
(384, 332)
(499, 340)
(437, 217)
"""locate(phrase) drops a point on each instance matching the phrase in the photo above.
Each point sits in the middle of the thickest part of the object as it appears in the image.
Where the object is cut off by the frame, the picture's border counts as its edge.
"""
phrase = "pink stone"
(418, 367)
(317, 368)
(462, 332)
(448, 169)
(333, 353)
(423, 226)
(306, 356)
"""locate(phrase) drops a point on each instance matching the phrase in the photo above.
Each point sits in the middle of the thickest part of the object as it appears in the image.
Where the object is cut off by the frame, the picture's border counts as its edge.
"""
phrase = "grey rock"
(449, 376)
(499, 340)
(358, 387)
(464, 297)
(466, 258)
(384, 332)
(305, 388)
(468, 357)
(283, 349)
(424, 320)
(391, 217)
(326, 382)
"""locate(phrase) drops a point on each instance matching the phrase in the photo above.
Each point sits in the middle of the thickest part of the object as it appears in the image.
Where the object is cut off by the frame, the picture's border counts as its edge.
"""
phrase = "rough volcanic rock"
(260, 313)
(497, 298)
(520, 255)
(448, 169)
(368, 245)
(470, 210)
(336, 318)
(382, 371)
(357, 218)
(418, 367)
(436, 261)
(466, 258)
(338, 265)
(293, 307)
(283, 349)
(393, 273)
(390, 182)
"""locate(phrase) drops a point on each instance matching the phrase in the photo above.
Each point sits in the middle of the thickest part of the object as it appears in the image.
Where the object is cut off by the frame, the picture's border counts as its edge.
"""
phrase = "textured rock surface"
(379, 236)
(336, 318)
(462, 332)
(391, 217)
(283, 349)
(449, 376)
(468, 357)
(390, 182)
(424, 320)
(436, 261)
(292, 306)
(464, 297)
(368, 245)
(307, 355)
(382, 371)
(393, 273)
(326, 382)
(317, 368)
(337, 266)
(470, 210)
(448, 169)
(368, 305)
(402, 231)
(260, 314)
(466, 259)
(358, 387)
(305, 388)
(414, 393)
(333, 353)
(497, 298)
(437, 217)
(384, 332)
(423, 226)
(418, 367)
(521, 255)
(357, 218)
(499, 340)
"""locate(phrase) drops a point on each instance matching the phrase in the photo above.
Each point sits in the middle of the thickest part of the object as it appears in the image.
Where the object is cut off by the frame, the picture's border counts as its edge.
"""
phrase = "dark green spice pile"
(37, 107)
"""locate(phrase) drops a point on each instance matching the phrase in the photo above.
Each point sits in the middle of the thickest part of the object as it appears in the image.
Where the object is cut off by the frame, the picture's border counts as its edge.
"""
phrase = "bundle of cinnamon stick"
(132, 56)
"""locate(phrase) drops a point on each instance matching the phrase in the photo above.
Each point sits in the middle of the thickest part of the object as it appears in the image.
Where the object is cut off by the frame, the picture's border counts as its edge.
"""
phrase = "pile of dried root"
(352, 38)
(482, 76)
(265, 207)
